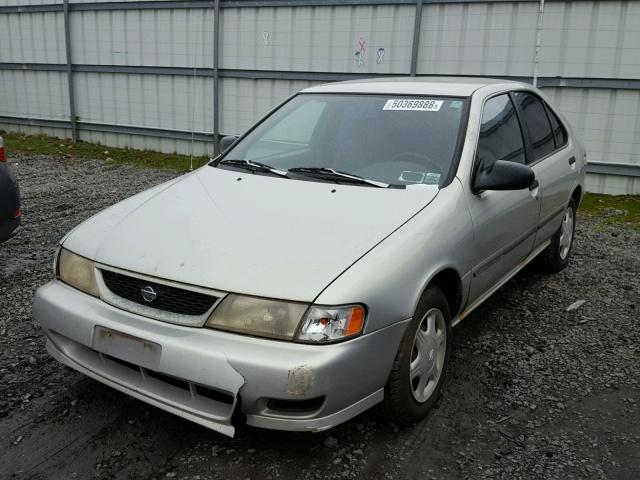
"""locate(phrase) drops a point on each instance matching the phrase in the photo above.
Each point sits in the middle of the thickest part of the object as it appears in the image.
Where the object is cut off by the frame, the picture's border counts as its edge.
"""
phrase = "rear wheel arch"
(555, 257)
(577, 196)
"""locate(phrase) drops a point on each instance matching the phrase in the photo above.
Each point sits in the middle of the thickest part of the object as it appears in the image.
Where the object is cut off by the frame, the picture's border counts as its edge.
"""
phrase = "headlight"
(77, 271)
(328, 324)
(281, 320)
(257, 316)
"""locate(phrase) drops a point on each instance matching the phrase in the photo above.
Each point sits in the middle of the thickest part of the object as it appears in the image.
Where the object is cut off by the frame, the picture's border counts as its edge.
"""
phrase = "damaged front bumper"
(206, 375)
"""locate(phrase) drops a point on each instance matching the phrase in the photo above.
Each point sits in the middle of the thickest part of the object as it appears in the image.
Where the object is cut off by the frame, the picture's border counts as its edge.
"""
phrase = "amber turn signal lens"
(356, 321)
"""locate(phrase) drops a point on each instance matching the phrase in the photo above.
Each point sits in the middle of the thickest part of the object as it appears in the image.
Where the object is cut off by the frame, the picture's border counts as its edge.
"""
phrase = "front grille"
(168, 299)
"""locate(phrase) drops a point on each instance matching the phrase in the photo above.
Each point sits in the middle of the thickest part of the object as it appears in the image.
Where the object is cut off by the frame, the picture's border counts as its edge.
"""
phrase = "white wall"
(579, 40)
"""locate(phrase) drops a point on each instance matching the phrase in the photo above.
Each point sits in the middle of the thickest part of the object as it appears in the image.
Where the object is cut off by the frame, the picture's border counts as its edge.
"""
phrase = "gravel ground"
(534, 391)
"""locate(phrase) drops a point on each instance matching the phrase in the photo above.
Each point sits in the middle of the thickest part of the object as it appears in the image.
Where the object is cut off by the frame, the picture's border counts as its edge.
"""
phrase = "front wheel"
(556, 256)
(415, 382)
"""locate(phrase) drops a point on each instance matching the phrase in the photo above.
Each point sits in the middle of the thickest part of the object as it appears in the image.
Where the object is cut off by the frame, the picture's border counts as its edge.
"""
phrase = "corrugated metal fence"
(174, 75)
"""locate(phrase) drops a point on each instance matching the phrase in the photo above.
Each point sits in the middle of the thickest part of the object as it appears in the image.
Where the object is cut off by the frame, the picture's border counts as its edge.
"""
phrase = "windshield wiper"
(331, 174)
(253, 166)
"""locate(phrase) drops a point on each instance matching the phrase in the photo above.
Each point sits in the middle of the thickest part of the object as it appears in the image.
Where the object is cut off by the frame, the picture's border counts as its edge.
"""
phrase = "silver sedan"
(316, 267)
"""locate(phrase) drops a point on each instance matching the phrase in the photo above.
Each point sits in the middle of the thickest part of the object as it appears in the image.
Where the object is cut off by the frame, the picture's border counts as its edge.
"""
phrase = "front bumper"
(347, 378)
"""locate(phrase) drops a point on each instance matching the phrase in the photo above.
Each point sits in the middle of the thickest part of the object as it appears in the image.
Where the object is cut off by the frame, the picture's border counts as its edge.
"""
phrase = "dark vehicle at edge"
(9, 199)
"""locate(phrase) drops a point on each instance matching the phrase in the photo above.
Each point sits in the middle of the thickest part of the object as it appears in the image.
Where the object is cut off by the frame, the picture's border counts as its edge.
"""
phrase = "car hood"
(244, 233)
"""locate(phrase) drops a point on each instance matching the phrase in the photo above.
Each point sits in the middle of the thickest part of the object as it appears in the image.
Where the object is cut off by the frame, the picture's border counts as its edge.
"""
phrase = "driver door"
(504, 221)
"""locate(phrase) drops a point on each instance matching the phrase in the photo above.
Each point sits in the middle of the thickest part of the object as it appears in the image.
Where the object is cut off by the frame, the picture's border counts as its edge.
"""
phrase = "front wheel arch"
(450, 282)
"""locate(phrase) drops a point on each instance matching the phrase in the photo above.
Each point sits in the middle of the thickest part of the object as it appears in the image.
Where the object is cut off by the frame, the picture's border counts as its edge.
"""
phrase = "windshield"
(396, 140)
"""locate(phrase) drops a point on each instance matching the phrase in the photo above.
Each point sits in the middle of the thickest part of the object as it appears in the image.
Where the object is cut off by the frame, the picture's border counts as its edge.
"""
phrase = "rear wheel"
(556, 256)
(415, 382)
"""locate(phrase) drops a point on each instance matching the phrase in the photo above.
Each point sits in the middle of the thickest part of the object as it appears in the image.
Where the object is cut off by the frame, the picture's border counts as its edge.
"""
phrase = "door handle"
(572, 160)
(534, 185)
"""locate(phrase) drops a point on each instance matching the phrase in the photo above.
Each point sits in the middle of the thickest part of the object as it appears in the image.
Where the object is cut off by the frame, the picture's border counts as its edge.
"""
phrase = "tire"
(555, 257)
(405, 401)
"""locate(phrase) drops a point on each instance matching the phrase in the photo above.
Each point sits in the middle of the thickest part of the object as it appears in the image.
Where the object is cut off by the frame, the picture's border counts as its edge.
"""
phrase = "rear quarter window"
(559, 132)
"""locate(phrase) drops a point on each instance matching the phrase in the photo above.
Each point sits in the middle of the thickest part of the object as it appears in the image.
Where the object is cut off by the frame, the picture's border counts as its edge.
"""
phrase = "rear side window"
(535, 117)
(559, 132)
(500, 135)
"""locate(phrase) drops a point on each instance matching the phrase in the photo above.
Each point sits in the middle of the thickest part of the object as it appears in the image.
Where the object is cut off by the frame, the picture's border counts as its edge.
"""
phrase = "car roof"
(445, 86)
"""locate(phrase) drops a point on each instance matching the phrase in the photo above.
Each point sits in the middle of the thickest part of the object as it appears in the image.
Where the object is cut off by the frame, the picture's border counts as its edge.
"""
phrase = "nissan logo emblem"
(148, 293)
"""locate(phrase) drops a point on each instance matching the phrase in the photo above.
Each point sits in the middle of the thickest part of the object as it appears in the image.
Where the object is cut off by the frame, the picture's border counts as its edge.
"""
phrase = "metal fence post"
(216, 77)
(72, 99)
(536, 57)
(415, 46)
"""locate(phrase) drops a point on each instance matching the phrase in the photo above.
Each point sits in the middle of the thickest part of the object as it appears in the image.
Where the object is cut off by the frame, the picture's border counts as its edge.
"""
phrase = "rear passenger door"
(551, 158)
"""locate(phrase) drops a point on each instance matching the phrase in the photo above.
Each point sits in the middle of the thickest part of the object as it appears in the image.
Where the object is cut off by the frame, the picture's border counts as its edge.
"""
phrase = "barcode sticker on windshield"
(416, 104)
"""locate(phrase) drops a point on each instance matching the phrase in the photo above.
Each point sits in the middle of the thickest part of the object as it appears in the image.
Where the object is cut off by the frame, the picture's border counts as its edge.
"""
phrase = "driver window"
(500, 134)
(292, 132)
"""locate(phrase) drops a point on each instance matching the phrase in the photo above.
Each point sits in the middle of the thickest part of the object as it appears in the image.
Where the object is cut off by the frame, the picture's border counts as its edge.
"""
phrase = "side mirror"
(504, 175)
(226, 142)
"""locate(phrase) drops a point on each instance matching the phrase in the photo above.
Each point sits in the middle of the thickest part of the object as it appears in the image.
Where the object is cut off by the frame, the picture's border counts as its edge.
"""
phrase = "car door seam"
(550, 217)
(484, 265)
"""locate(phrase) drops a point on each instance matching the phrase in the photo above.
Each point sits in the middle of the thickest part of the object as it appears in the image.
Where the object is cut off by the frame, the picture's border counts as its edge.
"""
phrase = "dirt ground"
(533, 391)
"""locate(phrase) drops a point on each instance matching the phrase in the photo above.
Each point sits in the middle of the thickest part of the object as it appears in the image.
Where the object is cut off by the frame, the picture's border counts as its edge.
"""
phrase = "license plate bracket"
(126, 347)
